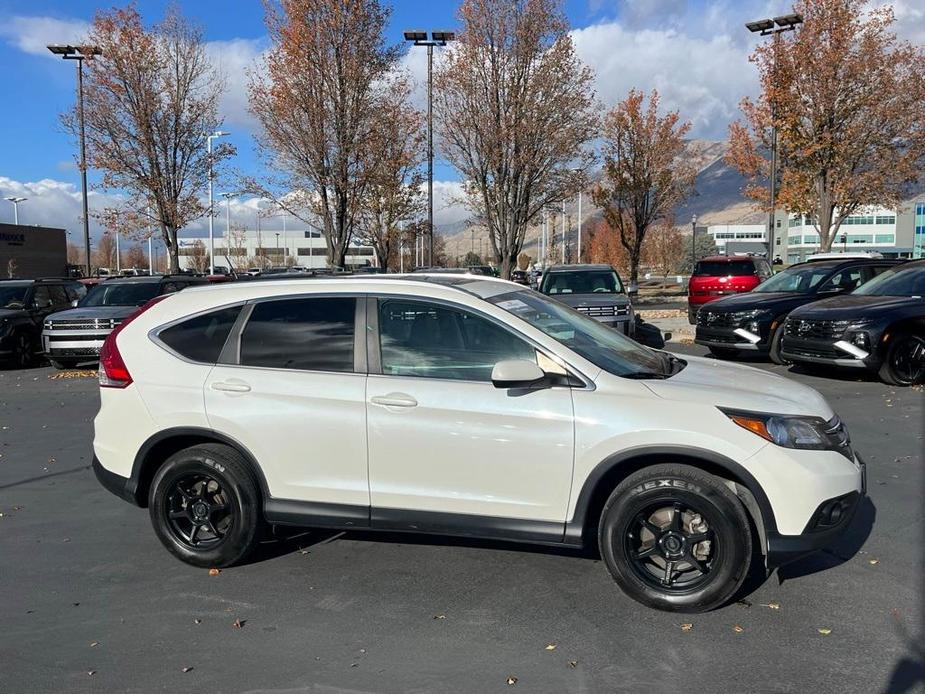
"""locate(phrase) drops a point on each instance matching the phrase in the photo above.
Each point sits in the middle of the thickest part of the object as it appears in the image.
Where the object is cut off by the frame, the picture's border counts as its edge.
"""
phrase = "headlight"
(812, 433)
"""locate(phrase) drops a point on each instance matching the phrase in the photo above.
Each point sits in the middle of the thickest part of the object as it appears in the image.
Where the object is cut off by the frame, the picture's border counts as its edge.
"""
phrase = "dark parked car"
(879, 327)
(754, 321)
(75, 336)
(595, 290)
(520, 277)
(23, 306)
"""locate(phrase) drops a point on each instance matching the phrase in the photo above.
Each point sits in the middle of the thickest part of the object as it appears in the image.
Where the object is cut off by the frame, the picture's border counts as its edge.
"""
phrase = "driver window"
(433, 341)
(41, 298)
(844, 281)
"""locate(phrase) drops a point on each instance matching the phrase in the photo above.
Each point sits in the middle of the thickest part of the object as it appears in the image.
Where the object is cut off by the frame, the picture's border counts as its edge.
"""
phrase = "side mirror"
(74, 303)
(516, 373)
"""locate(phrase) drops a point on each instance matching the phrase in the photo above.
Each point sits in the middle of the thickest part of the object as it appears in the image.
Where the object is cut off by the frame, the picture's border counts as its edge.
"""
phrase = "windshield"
(120, 294)
(582, 282)
(13, 297)
(720, 268)
(897, 281)
(800, 279)
(602, 346)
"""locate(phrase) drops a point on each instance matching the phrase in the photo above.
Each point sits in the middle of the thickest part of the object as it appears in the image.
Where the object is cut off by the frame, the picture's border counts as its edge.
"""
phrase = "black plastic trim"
(466, 525)
(117, 484)
(575, 527)
(315, 514)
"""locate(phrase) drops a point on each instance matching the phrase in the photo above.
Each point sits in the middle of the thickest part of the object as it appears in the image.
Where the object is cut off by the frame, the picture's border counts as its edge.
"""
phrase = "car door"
(447, 450)
(293, 394)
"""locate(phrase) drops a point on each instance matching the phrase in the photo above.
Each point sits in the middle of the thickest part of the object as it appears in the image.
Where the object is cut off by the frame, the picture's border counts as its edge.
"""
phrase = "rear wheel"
(205, 506)
(676, 538)
(904, 364)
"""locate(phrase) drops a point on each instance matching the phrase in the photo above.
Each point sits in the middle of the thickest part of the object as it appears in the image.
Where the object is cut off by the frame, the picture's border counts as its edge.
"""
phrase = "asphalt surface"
(90, 601)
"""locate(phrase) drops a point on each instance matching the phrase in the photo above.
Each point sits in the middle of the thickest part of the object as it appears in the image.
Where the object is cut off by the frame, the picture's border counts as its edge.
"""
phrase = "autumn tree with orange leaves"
(319, 96)
(846, 96)
(515, 113)
(645, 175)
(150, 99)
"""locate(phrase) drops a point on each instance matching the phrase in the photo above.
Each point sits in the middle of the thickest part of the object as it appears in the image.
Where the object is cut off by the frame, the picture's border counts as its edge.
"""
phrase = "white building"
(724, 233)
(271, 248)
(870, 229)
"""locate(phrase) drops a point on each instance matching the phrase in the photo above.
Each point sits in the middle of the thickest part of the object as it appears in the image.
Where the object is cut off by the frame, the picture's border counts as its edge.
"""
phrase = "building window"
(885, 238)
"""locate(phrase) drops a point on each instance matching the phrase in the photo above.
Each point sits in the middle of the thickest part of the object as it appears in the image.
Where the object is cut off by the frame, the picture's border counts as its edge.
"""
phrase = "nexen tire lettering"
(656, 484)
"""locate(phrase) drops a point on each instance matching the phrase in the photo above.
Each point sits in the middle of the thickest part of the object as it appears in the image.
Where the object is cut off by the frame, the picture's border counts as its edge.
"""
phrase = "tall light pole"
(209, 138)
(774, 27)
(437, 38)
(16, 201)
(80, 53)
(563, 232)
(579, 225)
(693, 242)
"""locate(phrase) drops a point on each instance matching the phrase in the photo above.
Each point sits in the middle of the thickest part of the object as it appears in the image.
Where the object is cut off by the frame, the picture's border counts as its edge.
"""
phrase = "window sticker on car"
(513, 305)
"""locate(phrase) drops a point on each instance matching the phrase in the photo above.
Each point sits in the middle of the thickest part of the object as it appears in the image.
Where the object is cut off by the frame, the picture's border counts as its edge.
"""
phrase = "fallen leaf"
(743, 603)
(511, 680)
(91, 672)
(738, 629)
(94, 644)
(772, 605)
(550, 646)
(824, 631)
(214, 572)
(238, 624)
(573, 663)
(197, 621)
(187, 668)
(687, 627)
(874, 562)
(439, 616)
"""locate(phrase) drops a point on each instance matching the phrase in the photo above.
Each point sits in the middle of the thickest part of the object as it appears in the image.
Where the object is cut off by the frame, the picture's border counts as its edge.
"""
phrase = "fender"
(628, 461)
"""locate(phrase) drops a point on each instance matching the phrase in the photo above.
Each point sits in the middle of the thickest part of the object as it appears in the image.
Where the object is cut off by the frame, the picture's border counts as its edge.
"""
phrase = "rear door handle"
(233, 386)
(394, 400)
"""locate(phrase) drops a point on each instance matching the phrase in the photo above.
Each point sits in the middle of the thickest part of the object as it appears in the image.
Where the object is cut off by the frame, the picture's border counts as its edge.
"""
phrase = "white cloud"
(33, 34)
(234, 60)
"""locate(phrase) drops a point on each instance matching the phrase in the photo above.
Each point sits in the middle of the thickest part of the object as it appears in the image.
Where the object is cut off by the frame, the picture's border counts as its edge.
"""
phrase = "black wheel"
(904, 364)
(676, 538)
(774, 349)
(62, 364)
(205, 506)
(23, 354)
(691, 314)
(724, 352)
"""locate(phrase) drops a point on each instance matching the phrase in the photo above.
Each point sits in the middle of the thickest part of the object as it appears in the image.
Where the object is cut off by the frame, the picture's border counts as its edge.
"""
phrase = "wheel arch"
(164, 444)
(607, 474)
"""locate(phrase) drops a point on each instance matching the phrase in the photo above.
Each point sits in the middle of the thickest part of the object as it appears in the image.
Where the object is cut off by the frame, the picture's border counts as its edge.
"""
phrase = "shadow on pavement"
(38, 478)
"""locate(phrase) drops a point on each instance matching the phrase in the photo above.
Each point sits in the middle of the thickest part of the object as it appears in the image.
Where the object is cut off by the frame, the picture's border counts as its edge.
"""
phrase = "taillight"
(113, 372)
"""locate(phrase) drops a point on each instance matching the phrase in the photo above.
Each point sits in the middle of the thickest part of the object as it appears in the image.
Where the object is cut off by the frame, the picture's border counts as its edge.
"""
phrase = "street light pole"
(693, 242)
(774, 27)
(16, 201)
(563, 232)
(437, 38)
(579, 226)
(209, 138)
(79, 53)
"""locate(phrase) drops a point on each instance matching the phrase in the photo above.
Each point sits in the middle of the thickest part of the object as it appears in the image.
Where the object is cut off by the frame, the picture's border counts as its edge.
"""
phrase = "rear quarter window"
(202, 337)
(709, 268)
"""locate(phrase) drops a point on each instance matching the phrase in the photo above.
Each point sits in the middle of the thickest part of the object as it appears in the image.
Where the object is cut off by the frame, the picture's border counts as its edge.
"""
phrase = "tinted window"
(76, 291)
(714, 268)
(13, 296)
(897, 281)
(586, 282)
(41, 297)
(313, 334)
(800, 279)
(111, 293)
(58, 295)
(201, 338)
(433, 341)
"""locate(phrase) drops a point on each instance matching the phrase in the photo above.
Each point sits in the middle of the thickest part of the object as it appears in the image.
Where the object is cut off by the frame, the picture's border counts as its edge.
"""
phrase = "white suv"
(462, 405)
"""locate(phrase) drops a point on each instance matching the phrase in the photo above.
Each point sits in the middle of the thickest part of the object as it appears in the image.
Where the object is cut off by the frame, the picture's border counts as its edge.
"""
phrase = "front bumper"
(728, 338)
(60, 343)
(821, 530)
(823, 352)
(623, 324)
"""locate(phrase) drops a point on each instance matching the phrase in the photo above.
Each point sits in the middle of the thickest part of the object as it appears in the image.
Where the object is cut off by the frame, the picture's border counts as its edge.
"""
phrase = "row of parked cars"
(856, 311)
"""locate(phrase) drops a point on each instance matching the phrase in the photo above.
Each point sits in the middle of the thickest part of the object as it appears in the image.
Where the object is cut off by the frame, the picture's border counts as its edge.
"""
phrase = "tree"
(319, 100)
(150, 99)
(471, 259)
(524, 260)
(236, 238)
(704, 245)
(645, 172)
(515, 112)
(663, 249)
(394, 190)
(199, 256)
(106, 251)
(136, 258)
(846, 97)
(604, 245)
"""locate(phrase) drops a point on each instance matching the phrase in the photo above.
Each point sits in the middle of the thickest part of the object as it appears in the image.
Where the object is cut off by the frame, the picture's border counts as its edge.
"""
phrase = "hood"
(576, 300)
(91, 312)
(11, 312)
(855, 306)
(721, 384)
(769, 301)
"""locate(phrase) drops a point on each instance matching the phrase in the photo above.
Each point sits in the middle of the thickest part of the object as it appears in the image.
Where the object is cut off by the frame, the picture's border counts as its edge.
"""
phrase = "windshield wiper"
(641, 375)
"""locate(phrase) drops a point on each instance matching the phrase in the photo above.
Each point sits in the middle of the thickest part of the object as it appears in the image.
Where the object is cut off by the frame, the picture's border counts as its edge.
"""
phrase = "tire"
(217, 476)
(641, 512)
(904, 362)
(774, 349)
(62, 364)
(23, 354)
(692, 314)
(724, 352)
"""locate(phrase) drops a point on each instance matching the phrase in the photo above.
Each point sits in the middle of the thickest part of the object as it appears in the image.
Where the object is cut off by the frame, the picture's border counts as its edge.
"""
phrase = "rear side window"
(710, 268)
(312, 334)
(201, 338)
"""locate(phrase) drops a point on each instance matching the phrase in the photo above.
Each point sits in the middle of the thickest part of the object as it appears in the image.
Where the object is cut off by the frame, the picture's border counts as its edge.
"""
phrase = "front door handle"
(394, 400)
(233, 386)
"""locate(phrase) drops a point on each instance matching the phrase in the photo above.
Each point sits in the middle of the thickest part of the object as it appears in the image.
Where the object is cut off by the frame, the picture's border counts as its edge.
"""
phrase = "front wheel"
(692, 314)
(205, 506)
(22, 350)
(904, 364)
(676, 538)
(774, 349)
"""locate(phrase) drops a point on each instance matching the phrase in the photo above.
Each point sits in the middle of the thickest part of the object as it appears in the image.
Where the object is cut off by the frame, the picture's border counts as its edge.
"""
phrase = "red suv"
(720, 275)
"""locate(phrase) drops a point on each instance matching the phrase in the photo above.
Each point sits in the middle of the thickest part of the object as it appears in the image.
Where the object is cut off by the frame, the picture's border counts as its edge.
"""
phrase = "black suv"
(754, 321)
(75, 336)
(879, 327)
(23, 306)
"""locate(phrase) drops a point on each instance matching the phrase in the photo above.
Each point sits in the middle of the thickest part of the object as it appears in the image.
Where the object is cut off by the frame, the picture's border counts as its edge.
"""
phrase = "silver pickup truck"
(594, 290)
(75, 336)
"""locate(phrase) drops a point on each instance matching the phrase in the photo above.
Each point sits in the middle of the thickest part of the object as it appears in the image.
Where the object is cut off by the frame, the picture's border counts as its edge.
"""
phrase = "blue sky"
(694, 51)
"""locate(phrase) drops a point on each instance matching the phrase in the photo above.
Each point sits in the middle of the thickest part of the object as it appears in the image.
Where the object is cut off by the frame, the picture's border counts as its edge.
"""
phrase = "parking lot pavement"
(89, 600)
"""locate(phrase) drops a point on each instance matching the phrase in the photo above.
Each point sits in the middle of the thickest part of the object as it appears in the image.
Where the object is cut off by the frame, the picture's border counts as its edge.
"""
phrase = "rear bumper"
(122, 487)
(818, 534)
